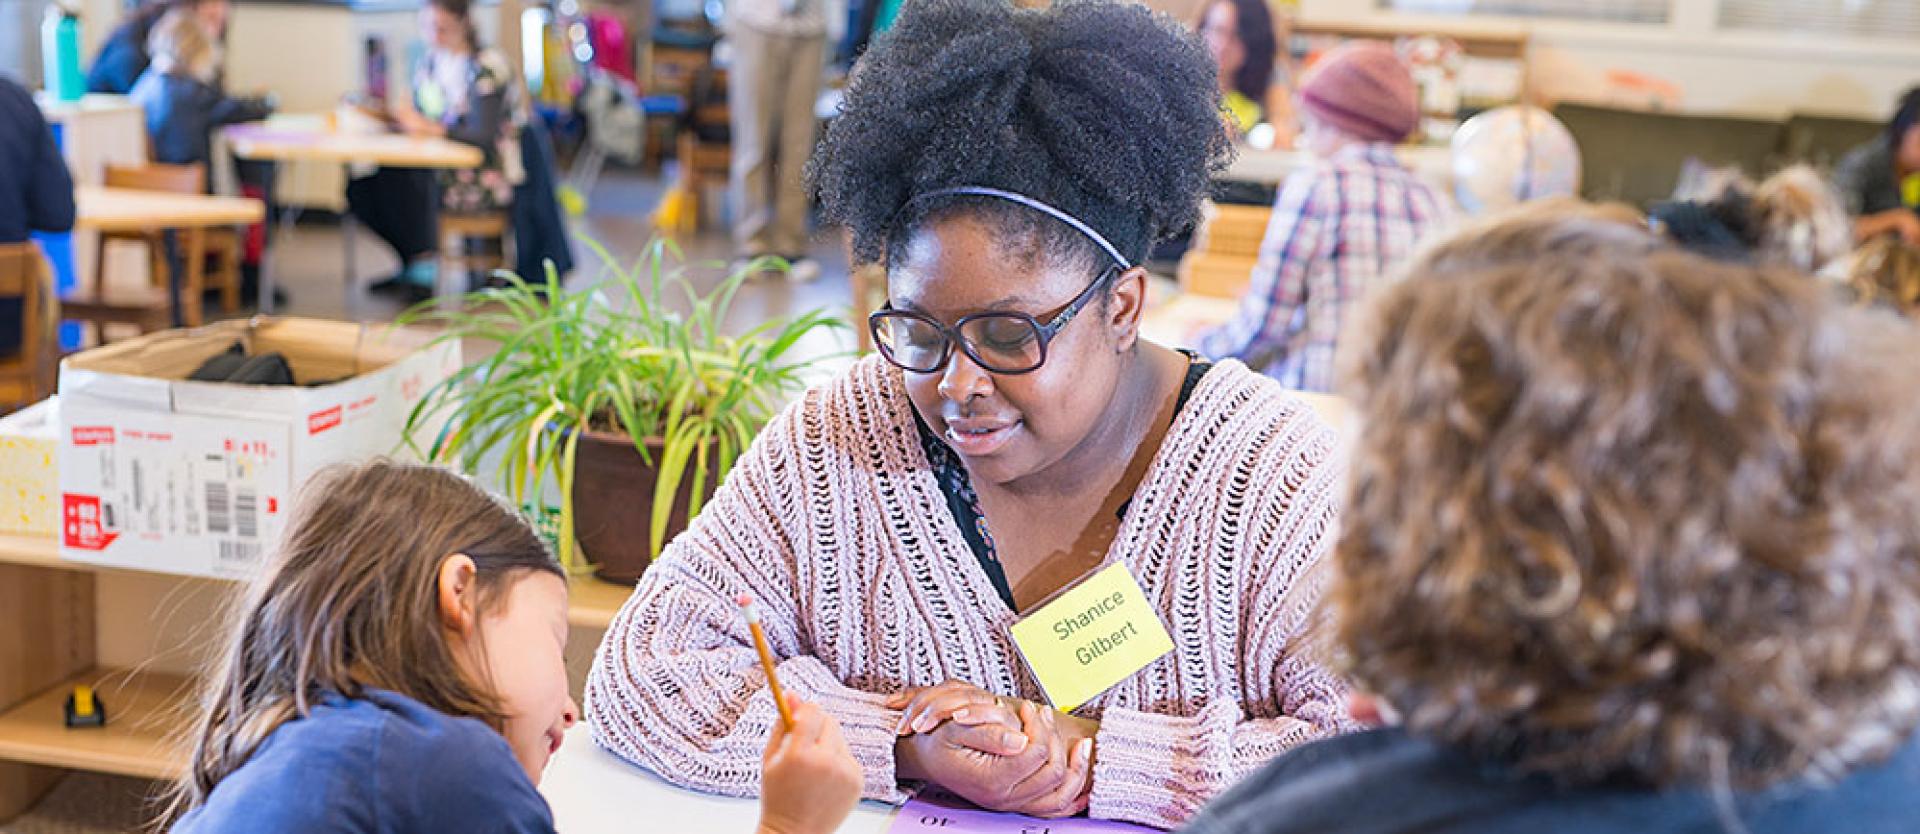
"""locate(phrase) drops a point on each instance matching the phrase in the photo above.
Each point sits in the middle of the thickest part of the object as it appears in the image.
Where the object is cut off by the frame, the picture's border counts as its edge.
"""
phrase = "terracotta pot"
(613, 505)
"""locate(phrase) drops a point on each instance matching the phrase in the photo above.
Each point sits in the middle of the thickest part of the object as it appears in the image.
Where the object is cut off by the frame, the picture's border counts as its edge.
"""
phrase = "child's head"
(1620, 511)
(1360, 92)
(1886, 272)
(399, 577)
(180, 45)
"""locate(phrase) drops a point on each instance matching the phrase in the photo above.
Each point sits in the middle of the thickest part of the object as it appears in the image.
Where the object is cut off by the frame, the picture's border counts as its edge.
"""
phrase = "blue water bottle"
(60, 53)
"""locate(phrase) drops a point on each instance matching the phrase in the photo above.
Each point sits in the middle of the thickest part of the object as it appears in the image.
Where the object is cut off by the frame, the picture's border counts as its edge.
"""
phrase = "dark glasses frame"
(950, 336)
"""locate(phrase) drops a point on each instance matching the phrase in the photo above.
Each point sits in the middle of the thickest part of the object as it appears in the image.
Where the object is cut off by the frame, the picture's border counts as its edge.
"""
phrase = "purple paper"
(938, 811)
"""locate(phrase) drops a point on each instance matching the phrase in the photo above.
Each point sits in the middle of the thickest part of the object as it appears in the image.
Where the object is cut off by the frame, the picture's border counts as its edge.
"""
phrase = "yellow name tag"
(1094, 635)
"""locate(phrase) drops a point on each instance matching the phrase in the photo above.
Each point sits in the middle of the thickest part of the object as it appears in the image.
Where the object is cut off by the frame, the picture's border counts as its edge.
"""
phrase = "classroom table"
(102, 209)
(310, 139)
(593, 791)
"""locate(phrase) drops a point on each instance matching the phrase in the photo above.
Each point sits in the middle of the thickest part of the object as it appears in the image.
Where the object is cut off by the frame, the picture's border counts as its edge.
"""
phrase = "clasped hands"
(1002, 754)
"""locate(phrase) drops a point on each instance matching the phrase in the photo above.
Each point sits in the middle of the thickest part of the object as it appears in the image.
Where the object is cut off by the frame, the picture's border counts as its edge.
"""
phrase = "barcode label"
(239, 553)
(246, 513)
(219, 511)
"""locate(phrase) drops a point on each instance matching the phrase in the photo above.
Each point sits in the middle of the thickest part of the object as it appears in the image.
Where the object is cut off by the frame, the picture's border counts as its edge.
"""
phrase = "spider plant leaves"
(641, 353)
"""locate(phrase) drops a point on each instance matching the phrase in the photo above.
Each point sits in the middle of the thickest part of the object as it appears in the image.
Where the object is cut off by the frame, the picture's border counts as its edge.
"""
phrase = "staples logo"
(93, 435)
(322, 420)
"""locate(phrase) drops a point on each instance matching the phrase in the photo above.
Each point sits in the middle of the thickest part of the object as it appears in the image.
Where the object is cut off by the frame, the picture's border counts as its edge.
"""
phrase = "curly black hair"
(1101, 109)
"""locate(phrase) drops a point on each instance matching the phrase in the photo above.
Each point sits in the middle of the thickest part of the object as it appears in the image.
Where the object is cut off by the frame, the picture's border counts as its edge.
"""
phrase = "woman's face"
(213, 16)
(442, 29)
(1012, 427)
(1220, 28)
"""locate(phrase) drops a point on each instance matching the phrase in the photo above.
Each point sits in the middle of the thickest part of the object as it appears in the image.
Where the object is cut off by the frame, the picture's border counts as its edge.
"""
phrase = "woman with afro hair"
(1009, 169)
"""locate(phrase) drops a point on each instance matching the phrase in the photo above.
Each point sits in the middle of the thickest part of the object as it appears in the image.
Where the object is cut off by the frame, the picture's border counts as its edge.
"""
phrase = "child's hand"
(810, 780)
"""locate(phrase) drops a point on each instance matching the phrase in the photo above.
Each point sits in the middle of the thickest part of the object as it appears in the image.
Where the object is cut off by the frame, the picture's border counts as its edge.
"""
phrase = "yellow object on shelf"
(29, 483)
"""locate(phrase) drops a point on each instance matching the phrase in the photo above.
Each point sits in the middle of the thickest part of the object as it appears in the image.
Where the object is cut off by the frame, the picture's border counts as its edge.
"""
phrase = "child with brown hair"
(410, 621)
(177, 92)
(1629, 547)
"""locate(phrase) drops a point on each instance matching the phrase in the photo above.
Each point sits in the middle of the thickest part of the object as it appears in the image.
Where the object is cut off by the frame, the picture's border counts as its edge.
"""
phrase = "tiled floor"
(311, 268)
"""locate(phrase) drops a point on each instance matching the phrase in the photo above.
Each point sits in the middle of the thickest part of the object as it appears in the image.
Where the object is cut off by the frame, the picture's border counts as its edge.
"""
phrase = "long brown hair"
(350, 602)
(1619, 511)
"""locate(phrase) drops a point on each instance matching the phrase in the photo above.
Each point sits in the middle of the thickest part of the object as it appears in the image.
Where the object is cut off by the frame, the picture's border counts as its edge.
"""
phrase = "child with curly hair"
(1630, 547)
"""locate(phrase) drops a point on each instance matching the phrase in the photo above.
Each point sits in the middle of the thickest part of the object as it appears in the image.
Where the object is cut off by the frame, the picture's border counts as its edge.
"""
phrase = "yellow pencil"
(752, 613)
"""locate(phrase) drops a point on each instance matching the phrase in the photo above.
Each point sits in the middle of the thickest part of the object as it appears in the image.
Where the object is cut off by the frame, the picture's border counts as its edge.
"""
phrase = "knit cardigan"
(834, 523)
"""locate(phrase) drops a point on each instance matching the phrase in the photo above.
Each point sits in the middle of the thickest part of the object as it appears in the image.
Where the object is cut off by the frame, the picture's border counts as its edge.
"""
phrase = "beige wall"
(1760, 75)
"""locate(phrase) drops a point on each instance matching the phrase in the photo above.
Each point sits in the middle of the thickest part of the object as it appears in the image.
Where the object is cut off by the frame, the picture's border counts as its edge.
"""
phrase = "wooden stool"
(27, 376)
(1226, 246)
(455, 231)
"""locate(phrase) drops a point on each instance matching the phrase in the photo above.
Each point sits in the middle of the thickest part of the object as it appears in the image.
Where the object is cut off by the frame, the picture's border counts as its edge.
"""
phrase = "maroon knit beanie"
(1365, 90)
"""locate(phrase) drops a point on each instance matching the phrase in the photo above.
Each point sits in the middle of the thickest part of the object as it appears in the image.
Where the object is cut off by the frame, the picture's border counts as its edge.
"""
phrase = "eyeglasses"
(1002, 342)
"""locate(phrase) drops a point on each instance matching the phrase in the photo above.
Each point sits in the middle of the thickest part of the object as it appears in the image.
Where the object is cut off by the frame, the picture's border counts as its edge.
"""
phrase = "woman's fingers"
(991, 739)
(1052, 771)
(931, 707)
(1071, 795)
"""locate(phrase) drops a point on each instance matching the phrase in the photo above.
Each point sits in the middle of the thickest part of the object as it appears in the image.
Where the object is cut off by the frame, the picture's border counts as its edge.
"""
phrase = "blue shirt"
(383, 763)
(1389, 782)
(36, 194)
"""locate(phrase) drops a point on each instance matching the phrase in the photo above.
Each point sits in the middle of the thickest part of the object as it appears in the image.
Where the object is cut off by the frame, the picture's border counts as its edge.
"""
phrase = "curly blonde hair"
(1622, 512)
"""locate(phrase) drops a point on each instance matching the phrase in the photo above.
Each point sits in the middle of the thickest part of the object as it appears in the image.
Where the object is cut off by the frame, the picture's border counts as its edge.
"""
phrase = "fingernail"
(921, 724)
(1016, 741)
(960, 715)
(1086, 749)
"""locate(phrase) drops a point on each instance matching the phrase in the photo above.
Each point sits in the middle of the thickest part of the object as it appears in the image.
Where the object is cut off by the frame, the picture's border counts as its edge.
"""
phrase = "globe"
(1509, 155)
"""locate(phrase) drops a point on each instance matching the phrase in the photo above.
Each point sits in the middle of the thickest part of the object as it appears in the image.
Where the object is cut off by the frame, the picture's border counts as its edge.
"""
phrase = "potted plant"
(634, 407)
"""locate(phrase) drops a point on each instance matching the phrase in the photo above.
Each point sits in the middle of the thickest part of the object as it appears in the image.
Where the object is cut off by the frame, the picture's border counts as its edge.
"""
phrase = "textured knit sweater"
(833, 521)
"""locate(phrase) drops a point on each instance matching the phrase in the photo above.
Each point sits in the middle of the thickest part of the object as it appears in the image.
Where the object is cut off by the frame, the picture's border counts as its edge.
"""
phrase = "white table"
(593, 791)
(309, 138)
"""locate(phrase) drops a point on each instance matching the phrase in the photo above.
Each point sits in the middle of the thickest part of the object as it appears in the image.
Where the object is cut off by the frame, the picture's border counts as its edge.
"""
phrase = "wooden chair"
(28, 375)
(705, 162)
(456, 230)
(1226, 246)
(221, 248)
(670, 72)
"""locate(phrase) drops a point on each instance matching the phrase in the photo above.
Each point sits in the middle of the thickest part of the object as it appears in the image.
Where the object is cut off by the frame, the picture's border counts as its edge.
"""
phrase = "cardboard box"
(29, 482)
(162, 474)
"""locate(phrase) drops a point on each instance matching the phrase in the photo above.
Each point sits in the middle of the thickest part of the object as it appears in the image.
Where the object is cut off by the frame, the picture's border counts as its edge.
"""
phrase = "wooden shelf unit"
(41, 659)
(593, 601)
(147, 717)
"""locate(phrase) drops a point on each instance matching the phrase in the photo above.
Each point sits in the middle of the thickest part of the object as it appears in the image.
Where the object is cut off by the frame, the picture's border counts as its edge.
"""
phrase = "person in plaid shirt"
(1339, 226)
